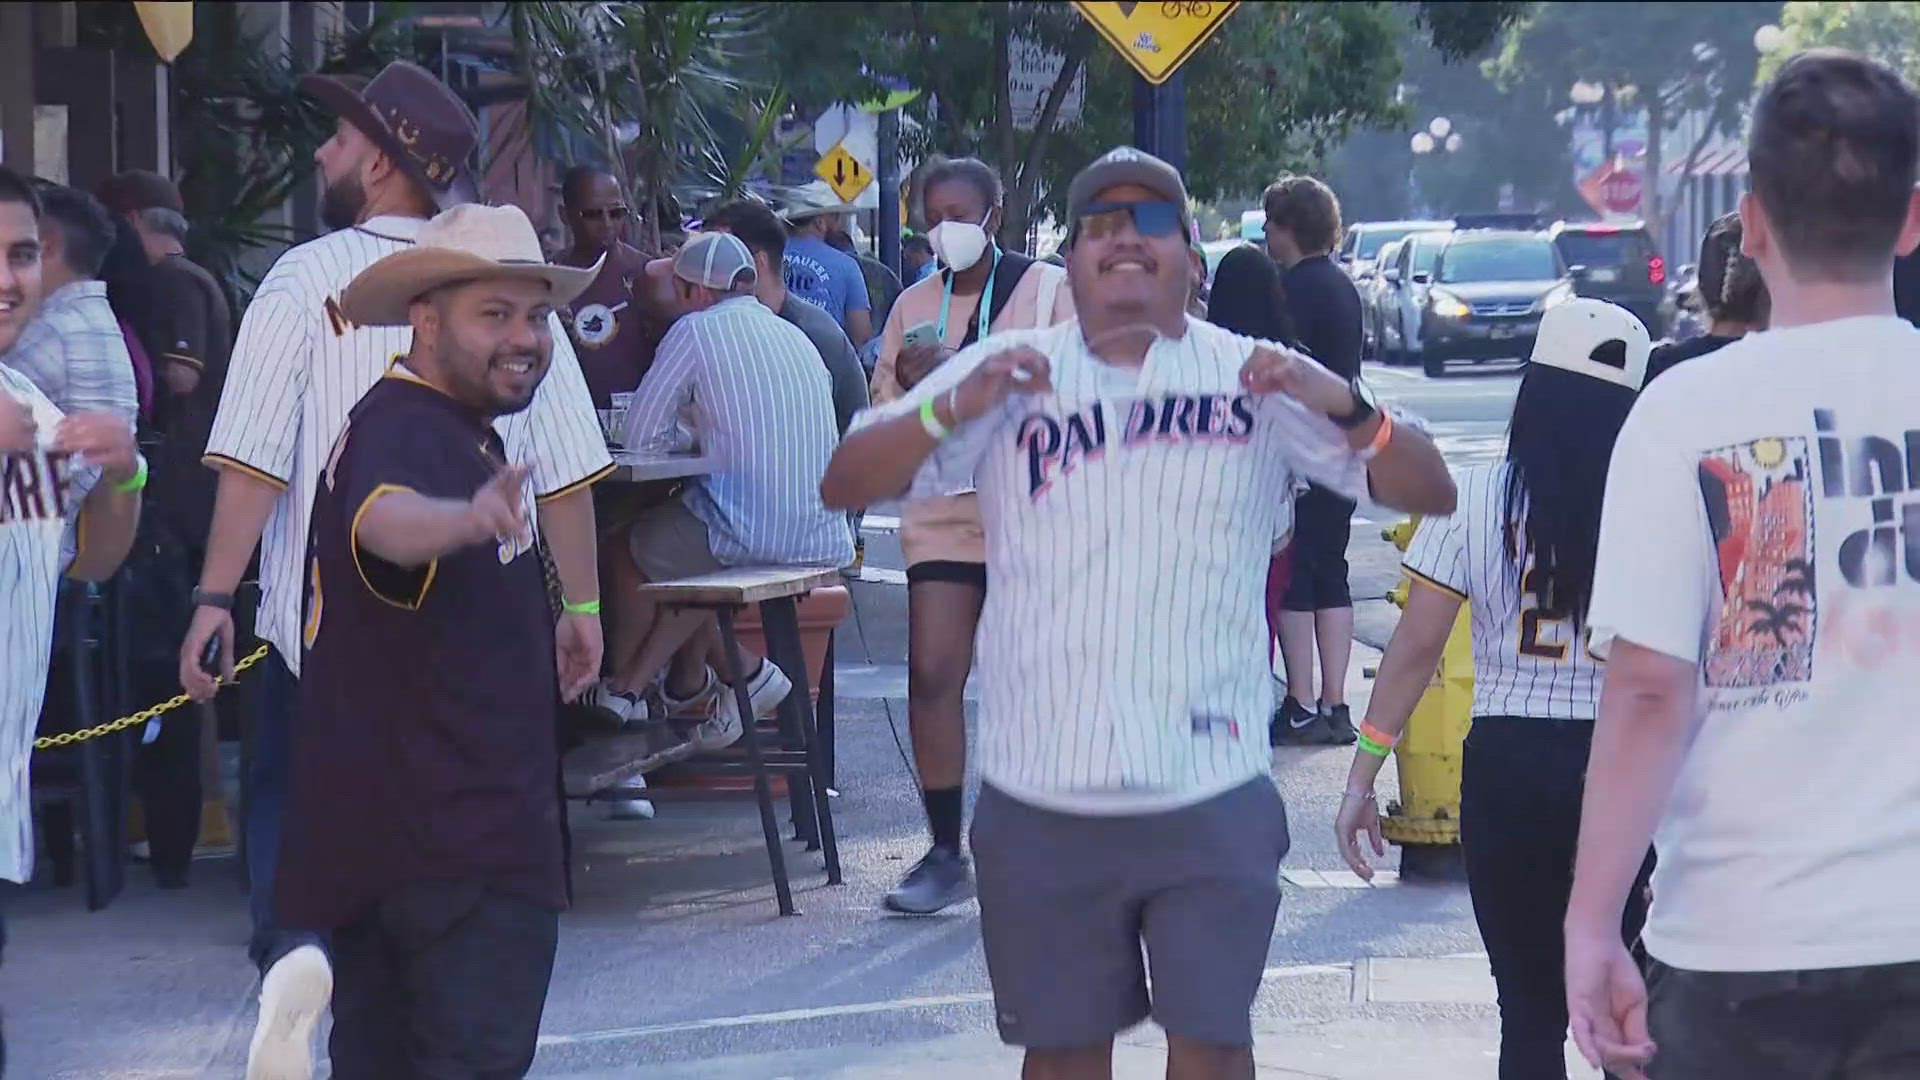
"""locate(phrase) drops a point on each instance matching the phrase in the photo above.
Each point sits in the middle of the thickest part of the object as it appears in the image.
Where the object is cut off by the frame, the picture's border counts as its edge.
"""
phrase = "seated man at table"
(765, 418)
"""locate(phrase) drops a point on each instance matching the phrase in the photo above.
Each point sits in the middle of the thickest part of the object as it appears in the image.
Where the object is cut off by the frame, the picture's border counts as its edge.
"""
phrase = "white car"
(1361, 245)
(1403, 279)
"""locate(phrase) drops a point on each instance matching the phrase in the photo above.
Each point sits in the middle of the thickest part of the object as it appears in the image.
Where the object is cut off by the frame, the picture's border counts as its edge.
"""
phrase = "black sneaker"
(940, 880)
(1295, 725)
(1338, 727)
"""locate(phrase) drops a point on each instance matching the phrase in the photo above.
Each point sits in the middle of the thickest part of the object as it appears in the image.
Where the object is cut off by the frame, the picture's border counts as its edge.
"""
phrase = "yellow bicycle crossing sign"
(1156, 38)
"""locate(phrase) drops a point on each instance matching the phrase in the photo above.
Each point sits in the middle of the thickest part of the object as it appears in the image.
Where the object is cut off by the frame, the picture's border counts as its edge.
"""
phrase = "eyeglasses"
(595, 213)
(1156, 219)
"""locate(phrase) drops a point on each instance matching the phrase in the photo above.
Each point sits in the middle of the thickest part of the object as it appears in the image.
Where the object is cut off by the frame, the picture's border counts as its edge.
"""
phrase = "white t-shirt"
(39, 499)
(1130, 516)
(1527, 660)
(1761, 521)
(298, 369)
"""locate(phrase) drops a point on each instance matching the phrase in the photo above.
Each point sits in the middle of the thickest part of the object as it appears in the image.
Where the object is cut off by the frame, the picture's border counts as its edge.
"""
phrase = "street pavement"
(674, 964)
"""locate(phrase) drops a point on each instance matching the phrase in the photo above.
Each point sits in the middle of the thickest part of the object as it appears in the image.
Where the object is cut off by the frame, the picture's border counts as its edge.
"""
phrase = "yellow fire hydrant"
(1425, 821)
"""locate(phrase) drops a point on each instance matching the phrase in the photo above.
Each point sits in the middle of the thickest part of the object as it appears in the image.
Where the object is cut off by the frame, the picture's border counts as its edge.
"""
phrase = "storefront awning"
(169, 25)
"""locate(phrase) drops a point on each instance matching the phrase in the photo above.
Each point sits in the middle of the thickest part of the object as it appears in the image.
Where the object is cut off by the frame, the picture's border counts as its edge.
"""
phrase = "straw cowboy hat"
(467, 243)
(411, 116)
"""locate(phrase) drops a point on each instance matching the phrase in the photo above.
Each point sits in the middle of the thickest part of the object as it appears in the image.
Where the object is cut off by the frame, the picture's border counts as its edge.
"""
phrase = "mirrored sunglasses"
(1156, 219)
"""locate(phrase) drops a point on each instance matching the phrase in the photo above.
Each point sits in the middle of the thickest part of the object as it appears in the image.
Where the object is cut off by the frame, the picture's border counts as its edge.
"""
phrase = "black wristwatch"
(1364, 407)
(209, 598)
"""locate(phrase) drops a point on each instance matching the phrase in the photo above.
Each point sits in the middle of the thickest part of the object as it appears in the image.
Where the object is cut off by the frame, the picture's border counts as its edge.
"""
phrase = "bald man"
(607, 327)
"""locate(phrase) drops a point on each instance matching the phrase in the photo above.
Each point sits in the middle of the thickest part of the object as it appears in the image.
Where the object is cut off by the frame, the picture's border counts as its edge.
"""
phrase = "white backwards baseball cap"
(1596, 339)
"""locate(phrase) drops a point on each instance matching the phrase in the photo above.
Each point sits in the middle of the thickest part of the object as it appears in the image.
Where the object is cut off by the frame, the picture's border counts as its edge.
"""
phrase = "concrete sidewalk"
(1348, 1049)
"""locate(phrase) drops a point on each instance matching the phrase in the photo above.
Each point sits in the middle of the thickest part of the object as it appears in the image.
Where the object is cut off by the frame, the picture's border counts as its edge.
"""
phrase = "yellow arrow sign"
(843, 173)
(1156, 38)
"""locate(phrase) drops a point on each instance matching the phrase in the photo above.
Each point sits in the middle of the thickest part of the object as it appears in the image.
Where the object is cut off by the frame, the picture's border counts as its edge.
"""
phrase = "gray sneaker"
(940, 880)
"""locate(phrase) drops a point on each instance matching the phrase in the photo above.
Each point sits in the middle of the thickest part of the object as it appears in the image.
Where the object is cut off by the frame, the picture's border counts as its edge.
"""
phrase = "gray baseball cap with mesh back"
(1126, 165)
(715, 260)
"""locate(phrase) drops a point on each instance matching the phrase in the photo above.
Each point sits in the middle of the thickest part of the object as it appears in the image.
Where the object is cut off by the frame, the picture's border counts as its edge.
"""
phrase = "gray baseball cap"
(1126, 165)
(716, 260)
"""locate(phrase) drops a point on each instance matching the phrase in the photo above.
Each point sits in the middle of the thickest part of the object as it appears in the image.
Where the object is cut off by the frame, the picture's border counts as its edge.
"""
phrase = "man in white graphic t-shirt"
(1133, 468)
(1757, 597)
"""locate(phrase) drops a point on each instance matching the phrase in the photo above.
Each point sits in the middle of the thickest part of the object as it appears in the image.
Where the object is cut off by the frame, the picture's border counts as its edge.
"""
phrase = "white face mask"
(958, 244)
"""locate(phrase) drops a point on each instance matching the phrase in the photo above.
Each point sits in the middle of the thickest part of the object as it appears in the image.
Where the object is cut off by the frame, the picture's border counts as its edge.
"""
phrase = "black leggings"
(1520, 791)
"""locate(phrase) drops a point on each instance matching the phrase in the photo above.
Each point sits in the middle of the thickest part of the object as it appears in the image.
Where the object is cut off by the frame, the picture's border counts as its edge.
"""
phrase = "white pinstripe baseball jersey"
(299, 367)
(1130, 516)
(1527, 661)
(37, 502)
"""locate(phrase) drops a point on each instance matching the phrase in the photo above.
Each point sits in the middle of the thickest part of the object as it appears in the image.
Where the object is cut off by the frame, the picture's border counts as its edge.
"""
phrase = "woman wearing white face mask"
(979, 290)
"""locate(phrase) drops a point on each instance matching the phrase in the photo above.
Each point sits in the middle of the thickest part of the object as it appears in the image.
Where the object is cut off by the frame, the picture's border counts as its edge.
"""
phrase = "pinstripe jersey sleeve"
(258, 425)
(651, 417)
(563, 436)
(952, 464)
(1439, 553)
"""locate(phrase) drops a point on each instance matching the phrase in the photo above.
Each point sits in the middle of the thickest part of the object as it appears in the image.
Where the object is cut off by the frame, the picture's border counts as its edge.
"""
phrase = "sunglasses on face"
(611, 213)
(1156, 219)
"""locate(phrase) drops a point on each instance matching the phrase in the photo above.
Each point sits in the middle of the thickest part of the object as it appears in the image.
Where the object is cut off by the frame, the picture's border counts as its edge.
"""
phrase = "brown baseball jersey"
(427, 748)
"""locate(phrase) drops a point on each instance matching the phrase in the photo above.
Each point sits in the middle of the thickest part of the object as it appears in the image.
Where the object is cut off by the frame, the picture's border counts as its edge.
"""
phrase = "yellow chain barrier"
(68, 738)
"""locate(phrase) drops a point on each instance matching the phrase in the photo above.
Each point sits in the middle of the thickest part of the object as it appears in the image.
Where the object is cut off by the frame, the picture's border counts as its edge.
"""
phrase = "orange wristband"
(1369, 731)
(1381, 437)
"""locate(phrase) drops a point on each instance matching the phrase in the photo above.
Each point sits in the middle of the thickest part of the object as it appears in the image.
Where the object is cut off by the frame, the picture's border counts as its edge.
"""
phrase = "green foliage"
(1887, 30)
(244, 133)
(1271, 90)
(672, 95)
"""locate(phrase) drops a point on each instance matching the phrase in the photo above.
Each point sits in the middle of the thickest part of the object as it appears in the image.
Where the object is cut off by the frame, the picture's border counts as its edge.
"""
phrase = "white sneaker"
(297, 989)
(631, 809)
(766, 689)
(617, 706)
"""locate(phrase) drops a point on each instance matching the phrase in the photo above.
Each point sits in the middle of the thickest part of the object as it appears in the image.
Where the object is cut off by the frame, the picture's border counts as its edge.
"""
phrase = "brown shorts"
(667, 541)
(1068, 903)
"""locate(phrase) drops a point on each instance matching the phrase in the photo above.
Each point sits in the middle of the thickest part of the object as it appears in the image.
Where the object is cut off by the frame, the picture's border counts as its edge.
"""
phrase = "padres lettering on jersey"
(1528, 660)
(298, 368)
(1130, 516)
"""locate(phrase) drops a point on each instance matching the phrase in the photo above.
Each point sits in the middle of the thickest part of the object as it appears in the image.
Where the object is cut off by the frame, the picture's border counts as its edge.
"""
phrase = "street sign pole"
(887, 171)
(1160, 119)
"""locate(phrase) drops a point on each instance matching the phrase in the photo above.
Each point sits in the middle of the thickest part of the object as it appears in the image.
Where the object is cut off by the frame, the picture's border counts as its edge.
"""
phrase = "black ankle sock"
(945, 812)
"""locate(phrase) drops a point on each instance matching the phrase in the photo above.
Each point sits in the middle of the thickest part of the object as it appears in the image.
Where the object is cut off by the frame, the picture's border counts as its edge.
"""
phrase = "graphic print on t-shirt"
(1759, 503)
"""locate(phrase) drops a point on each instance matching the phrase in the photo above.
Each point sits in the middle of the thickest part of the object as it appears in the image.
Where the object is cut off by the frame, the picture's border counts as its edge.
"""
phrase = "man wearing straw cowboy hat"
(300, 363)
(424, 831)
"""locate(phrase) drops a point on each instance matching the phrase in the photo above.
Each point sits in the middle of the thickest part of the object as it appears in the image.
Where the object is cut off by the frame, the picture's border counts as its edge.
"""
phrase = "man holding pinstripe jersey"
(1132, 467)
(299, 365)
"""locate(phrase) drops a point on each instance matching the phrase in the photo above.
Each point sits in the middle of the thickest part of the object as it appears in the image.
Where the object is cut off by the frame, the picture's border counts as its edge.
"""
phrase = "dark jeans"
(441, 981)
(1520, 790)
(1858, 1023)
(269, 782)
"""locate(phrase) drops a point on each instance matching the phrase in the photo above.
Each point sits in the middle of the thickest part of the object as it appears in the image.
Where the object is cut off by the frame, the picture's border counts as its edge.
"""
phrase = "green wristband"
(931, 420)
(1371, 746)
(137, 481)
(591, 607)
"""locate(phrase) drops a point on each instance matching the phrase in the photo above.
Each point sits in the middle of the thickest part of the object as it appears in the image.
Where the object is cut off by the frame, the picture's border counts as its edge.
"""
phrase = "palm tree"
(1776, 620)
(1799, 579)
(667, 94)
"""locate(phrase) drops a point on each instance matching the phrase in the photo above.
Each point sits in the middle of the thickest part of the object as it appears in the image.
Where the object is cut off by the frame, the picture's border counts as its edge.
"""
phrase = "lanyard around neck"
(986, 302)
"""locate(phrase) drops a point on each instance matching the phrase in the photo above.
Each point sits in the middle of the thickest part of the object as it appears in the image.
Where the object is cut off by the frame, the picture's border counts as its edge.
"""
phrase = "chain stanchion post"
(69, 738)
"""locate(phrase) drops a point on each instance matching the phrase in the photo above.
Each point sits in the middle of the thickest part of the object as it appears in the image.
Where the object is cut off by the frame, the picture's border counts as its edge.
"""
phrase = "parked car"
(1617, 263)
(1488, 291)
(1400, 294)
(1372, 290)
(1360, 247)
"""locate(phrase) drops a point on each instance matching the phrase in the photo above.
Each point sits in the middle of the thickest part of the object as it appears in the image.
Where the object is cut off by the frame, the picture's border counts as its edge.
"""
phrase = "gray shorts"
(667, 541)
(1067, 902)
